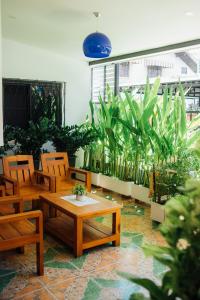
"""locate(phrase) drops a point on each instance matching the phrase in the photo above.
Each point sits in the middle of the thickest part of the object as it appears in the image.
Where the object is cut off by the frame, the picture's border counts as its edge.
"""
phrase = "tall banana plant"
(138, 132)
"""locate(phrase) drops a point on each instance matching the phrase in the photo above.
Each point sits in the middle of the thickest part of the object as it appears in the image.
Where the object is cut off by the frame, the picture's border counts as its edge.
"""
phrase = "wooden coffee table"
(75, 226)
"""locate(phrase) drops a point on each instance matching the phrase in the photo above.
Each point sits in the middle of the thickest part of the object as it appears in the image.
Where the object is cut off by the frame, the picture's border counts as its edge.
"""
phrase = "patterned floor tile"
(42, 294)
(9, 263)
(93, 276)
(56, 271)
(18, 284)
(75, 289)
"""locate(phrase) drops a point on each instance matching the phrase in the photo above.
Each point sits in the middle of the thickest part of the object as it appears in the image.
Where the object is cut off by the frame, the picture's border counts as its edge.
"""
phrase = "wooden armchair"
(9, 207)
(22, 179)
(16, 230)
(56, 164)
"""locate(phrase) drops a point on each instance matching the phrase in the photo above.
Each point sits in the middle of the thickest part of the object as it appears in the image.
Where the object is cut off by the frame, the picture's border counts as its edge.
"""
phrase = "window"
(171, 67)
(25, 100)
(154, 71)
(101, 77)
(124, 69)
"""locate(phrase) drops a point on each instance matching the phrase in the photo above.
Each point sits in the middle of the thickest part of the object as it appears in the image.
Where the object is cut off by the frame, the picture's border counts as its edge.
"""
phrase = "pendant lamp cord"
(97, 15)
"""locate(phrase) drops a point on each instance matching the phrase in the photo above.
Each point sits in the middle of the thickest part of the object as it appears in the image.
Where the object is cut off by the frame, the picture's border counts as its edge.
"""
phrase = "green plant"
(171, 177)
(138, 133)
(44, 104)
(71, 138)
(181, 231)
(79, 190)
(29, 140)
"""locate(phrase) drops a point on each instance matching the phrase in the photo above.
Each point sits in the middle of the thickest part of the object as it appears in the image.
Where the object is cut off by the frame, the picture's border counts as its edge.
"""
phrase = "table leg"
(78, 237)
(116, 227)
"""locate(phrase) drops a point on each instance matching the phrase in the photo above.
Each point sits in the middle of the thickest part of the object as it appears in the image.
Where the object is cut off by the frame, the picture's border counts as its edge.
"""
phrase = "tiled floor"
(92, 276)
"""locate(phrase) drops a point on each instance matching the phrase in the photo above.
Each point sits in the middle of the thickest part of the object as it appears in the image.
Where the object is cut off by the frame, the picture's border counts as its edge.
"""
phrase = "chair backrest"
(55, 163)
(19, 167)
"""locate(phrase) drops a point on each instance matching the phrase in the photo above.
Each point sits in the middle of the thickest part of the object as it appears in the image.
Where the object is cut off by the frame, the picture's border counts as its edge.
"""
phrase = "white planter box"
(157, 212)
(126, 188)
(95, 178)
(116, 185)
(140, 193)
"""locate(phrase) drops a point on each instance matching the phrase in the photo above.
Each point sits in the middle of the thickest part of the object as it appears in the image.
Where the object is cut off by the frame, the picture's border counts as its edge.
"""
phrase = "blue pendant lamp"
(97, 45)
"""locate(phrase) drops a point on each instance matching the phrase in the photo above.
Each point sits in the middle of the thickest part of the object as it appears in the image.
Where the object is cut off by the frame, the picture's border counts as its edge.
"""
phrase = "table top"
(103, 205)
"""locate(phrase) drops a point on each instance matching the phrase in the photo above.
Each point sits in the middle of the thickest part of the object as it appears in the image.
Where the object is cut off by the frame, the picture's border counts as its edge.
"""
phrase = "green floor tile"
(99, 219)
(4, 272)
(92, 291)
(4, 281)
(134, 240)
(59, 265)
(79, 261)
(49, 254)
(126, 288)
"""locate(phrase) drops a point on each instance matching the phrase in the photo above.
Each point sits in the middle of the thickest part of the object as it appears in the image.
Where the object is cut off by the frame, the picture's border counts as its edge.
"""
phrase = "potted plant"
(28, 140)
(71, 138)
(79, 191)
(134, 133)
(165, 185)
(170, 178)
(181, 231)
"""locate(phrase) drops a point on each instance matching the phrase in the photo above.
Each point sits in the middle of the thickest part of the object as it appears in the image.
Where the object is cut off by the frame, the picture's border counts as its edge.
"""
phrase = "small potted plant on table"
(79, 191)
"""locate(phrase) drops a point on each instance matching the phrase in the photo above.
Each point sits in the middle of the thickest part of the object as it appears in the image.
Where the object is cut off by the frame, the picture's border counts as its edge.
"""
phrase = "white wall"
(28, 62)
(1, 117)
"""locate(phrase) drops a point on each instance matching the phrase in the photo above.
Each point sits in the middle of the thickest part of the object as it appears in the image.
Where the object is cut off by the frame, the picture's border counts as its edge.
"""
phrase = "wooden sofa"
(16, 230)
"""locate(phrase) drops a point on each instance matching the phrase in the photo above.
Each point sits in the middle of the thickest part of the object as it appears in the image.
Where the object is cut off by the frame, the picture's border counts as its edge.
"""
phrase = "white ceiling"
(61, 25)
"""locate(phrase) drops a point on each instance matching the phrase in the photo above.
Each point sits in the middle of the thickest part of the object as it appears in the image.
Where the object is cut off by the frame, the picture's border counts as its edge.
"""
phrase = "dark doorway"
(16, 104)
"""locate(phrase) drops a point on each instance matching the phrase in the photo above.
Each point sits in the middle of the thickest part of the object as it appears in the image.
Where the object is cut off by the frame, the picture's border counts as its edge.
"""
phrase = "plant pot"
(36, 164)
(116, 185)
(140, 193)
(72, 160)
(157, 212)
(79, 197)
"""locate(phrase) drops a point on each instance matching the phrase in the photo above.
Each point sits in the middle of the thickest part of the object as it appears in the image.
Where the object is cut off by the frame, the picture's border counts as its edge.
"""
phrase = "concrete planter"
(95, 178)
(157, 212)
(140, 193)
(126, 188)
(116, 185)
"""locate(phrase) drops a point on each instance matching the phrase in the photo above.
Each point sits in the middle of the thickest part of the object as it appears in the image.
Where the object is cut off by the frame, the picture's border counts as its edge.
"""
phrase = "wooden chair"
(22, 179)
(56, 164)
(16, 230)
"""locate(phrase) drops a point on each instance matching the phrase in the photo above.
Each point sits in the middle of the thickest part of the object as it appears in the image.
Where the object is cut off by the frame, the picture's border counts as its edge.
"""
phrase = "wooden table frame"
(80, 220)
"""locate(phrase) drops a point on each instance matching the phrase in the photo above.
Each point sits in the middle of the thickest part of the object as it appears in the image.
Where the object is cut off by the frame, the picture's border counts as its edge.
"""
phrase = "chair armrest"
(17, 202)
(76, 170)
(9, 179)
(12, 181)
(84, 172)
(10, 199)
(43, 174)
(51, 179)
(37, 214)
